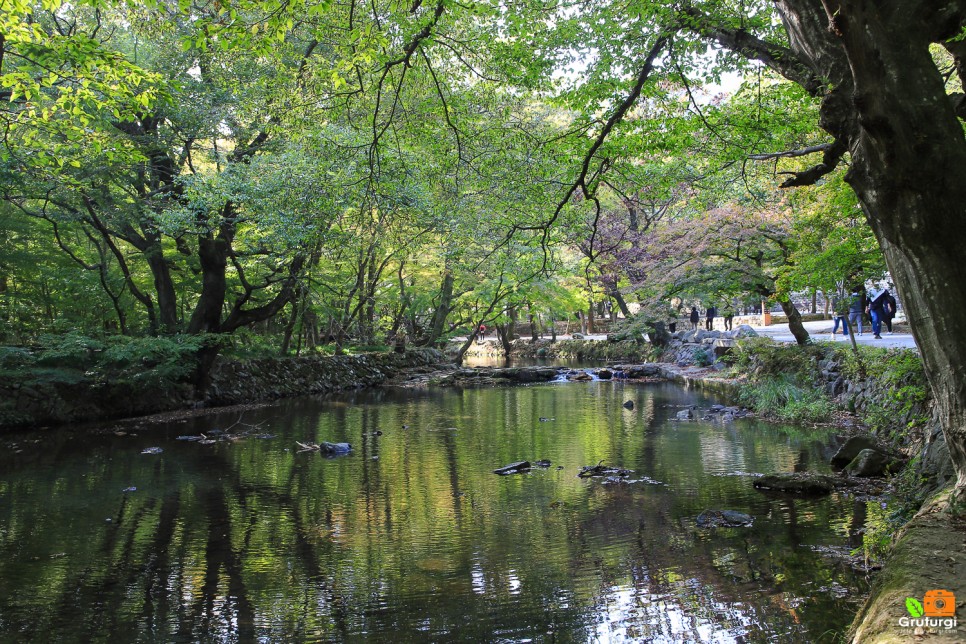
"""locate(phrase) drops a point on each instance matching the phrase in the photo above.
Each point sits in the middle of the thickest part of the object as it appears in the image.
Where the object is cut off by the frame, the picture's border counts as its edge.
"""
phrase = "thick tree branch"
(830, 160)
(776, 57)
(765, 156)
(420, 36)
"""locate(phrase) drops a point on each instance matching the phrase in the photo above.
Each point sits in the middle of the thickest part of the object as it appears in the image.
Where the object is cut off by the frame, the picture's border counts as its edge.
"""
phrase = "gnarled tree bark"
(908, 155)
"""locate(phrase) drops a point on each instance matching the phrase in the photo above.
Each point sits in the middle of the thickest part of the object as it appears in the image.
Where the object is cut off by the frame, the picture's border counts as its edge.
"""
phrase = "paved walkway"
(821, 331)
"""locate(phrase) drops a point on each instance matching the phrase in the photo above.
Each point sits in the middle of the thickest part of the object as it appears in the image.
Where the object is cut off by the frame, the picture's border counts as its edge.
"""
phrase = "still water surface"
(411, 537)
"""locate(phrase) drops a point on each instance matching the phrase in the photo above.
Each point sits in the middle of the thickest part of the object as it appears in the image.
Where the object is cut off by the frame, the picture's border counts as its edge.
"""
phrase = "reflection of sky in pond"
(412, 537)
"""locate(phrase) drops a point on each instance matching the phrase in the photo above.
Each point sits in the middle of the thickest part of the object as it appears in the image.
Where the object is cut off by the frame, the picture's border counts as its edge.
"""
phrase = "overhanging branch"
(766, 156)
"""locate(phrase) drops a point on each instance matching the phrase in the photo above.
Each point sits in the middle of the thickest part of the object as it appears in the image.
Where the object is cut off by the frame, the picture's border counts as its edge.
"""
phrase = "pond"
(412, 537)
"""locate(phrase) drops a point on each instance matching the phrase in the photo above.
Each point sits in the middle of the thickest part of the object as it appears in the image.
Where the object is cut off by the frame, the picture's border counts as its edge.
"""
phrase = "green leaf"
(914, 607)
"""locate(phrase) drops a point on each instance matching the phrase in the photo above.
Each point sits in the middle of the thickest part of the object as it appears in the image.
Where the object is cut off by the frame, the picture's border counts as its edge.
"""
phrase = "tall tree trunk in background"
(814, 301)
(590, 318)
(290, 327)
(438, 323)
(612, 291)
(367, 319)
(405, 299)
(167, 300)
(534, 331)
(512, 326)
(213, 256)
(503, 332)
(794, 321)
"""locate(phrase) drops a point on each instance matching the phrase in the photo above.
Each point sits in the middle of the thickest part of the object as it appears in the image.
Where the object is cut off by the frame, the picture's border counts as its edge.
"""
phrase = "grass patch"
(782, 398)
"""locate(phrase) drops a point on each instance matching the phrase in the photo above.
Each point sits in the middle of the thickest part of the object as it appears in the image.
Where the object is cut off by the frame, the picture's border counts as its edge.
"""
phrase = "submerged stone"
(724, 519)
(798, 483)
(335, 448)
(513, 468)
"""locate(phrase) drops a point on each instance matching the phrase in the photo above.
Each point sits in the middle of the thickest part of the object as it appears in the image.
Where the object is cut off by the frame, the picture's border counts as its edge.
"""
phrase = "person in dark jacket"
(709, 317)
(695, 316)
(889, 310)
(876, 311)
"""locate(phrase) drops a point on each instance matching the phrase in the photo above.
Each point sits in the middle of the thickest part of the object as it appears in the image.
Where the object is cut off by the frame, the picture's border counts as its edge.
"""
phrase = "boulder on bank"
(798, 483)
(851, 448)
(685, 414)
(489, 375)
(871, 462)
(647, 370)
(744, 331)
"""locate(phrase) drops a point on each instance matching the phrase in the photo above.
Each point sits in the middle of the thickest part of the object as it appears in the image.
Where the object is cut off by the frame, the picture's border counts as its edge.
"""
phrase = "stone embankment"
(687, 347)
(43, 398)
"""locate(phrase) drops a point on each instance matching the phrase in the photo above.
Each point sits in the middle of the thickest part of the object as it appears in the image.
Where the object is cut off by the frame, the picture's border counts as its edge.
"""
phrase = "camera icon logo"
(939, 603)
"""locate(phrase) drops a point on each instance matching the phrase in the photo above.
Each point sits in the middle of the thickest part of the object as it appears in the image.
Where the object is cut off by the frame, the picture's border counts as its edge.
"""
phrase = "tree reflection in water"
(411, 537)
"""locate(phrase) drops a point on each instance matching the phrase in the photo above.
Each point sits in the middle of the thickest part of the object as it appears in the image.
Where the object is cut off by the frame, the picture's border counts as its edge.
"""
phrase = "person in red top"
(481, 334)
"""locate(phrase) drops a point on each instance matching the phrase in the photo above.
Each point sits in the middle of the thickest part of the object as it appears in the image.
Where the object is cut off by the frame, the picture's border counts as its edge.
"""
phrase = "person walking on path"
(856, 308)
(875, 311)
(840, 311)
(889, 310)
(709, 317)
(729, 316)
(695, 316)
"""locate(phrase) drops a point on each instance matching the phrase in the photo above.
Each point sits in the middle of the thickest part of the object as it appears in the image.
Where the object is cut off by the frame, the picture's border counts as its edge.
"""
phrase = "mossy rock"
(851, 449)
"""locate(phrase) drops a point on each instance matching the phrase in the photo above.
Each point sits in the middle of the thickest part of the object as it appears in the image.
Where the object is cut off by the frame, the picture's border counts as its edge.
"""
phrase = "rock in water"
(629, 404)
(799, 483)
(685, 414)
(334, 448)
(513, 468)
(724, 519)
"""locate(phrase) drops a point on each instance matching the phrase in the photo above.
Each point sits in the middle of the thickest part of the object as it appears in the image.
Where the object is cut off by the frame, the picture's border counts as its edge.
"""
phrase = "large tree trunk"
(907, 168)
(438, 323)
(794, 321)
(504, 333)
(213, 255)
(163, 287)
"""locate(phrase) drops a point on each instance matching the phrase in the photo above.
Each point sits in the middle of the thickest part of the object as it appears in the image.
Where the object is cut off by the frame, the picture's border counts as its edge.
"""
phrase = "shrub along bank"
(75, 378)
(885, 388)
